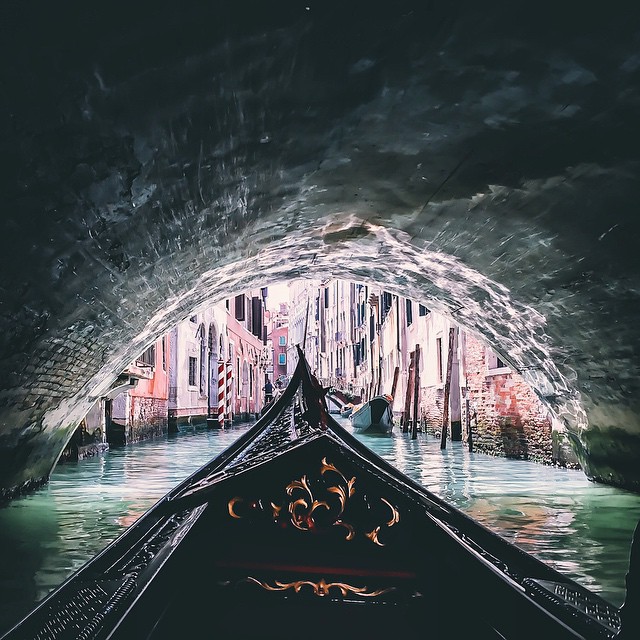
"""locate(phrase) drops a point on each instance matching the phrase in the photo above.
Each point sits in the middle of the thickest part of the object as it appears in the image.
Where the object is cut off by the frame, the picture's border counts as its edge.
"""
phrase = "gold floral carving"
(321, 588)
(303, 505)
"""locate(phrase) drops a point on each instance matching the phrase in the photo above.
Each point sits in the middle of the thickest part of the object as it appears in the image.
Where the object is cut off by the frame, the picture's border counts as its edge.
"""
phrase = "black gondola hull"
(298, 530)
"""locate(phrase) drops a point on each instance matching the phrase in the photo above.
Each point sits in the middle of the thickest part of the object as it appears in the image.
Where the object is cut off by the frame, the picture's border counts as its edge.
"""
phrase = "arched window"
(245, 379)
(203, 361)
(213, 341)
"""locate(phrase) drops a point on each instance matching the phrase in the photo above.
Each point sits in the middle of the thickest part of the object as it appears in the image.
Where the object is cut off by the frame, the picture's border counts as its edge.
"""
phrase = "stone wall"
(432, 409)
(149, 418)
(507, 418)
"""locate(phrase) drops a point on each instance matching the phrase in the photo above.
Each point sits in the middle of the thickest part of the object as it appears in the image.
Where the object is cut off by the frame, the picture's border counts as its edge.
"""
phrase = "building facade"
(217, 367)
(199, 351)
(247, 338)
(282, 350)
(366, 343)
(137, 408)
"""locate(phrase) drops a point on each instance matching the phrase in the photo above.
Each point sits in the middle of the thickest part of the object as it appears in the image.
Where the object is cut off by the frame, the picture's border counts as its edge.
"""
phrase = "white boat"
(375, 416)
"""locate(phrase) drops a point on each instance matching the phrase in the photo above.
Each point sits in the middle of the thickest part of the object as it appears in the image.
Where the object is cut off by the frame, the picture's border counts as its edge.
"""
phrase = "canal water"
(580, 528)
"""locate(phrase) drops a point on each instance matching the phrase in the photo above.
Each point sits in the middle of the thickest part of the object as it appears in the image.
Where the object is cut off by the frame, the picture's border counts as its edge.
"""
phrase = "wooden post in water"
(393, 388)
(447, 389)
(416, 392)
(468, 415)
(395, 382)
(407, 397)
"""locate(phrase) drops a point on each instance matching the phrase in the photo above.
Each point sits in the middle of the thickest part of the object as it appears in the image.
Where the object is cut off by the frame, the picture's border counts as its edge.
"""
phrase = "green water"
(581, 528)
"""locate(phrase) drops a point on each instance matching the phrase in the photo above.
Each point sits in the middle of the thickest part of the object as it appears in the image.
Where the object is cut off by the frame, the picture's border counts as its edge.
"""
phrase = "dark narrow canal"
(581, 528)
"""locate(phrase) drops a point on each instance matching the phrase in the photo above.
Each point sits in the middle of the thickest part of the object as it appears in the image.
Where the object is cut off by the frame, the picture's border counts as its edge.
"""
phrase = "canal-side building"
(134, 409)
(303, 327)
(246, 339)
(505, 415)
(200, 348)
(366, 341)
(137, 408)
(217, 367)
(279, 337)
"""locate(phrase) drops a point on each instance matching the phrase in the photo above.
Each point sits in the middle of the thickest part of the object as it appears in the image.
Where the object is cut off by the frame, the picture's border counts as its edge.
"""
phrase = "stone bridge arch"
(480, 163)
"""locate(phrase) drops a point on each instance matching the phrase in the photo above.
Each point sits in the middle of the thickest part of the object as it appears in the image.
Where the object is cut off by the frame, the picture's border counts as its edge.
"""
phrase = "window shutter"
(239, 310)
(256, 307)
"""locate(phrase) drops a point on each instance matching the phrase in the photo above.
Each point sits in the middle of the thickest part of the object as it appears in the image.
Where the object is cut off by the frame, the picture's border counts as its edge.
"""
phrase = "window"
(239, 307)
(148, 357)
(164, 353)
(282, 358)
(203, 356)
(387, 300)
(193, 319)
(256, 317)
(494, 361)
(193, 368)
(422, 310)
(282, 341)
(439, 358)
(409, 306)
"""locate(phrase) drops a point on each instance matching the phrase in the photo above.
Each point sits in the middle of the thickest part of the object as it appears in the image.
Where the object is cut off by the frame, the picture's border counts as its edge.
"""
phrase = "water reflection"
(580, 528)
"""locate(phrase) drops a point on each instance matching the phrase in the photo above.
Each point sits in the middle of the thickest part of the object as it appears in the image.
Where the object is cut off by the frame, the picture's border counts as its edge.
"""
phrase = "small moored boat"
(298, 530)
(374, 416)
(346, 410)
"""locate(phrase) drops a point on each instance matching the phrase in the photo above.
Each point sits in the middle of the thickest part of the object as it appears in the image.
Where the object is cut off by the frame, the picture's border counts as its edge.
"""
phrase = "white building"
(199, 345)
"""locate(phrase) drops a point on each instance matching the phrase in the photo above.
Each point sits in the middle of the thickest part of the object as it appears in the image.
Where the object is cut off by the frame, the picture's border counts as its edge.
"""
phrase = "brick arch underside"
(477, 164)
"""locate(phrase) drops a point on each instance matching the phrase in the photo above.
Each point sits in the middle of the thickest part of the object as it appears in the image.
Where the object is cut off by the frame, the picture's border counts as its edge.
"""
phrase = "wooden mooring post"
(407, 397)
(395, 382)
(416, 392)
(468, 415)
(447, 389)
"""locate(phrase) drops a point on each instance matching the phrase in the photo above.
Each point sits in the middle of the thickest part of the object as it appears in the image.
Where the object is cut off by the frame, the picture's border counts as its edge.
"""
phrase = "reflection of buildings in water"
(550, 535)
(538, 530)
(399, 452)
(133, 512)
(530, 526)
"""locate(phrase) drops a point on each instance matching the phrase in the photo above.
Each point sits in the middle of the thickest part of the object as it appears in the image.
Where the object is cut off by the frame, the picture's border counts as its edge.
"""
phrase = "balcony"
(139, 370)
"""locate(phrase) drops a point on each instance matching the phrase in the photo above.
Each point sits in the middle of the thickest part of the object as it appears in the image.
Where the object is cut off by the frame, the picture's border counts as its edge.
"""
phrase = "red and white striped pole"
(228, 391)
(221, 394)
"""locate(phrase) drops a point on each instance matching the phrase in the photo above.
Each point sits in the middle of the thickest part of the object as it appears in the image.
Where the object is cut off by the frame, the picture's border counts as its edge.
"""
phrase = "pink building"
(245, 331)
(140, 411)
(280, 345)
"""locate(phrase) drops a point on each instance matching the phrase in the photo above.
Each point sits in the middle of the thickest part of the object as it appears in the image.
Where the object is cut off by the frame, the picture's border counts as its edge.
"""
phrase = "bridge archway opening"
(479, 163)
